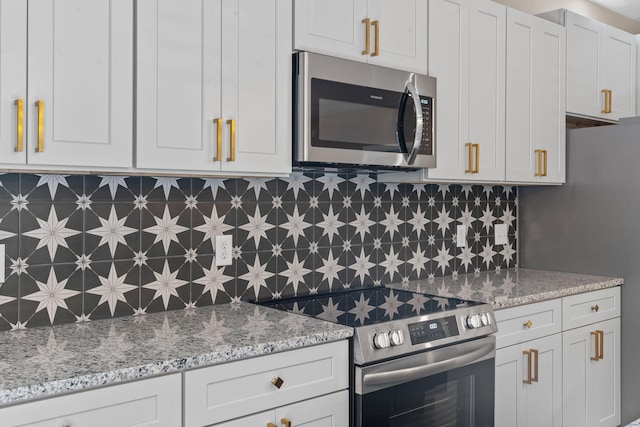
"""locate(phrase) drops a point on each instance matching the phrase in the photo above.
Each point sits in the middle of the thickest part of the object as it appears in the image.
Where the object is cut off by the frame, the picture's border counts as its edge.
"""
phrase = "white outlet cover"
(224, 250)
(461, 236)
(501, 231)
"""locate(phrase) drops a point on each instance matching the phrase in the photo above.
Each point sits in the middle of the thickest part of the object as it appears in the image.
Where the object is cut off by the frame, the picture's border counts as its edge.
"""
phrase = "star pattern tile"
(303, 234)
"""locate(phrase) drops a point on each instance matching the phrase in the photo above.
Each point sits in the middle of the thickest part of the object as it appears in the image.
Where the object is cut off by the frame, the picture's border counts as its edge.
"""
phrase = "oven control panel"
(431, 330)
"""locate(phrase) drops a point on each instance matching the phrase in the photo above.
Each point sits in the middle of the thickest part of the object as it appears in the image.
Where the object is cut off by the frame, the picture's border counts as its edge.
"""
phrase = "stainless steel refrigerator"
(592, 225)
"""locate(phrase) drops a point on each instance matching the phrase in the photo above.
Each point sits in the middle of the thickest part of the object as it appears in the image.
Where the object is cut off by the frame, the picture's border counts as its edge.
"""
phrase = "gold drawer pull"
(535, 364)
(595, 308)
(599, 345)
(277, 381)
(528, 324)
(285, 422)
(271, 425)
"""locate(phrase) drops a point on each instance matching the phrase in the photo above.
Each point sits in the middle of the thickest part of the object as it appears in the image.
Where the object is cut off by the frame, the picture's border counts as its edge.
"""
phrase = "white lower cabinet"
(529, 383)
(312, 383)
(591, 359)
(529, 365)
(153, 402)
(558, 362)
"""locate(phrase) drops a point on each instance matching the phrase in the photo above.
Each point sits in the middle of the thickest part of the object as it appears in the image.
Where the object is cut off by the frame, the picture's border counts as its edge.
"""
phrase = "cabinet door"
(256, 86)
(486, 104)
(591, 388)
(585, 40)
(403, 36)
(80, 60)
(331, 27)
(449, 64)
(327, 411)
(467, 56)
(153, 402)
(536, 404)
(13, 80)
(535, 113)
(178, 84)
(620, 72)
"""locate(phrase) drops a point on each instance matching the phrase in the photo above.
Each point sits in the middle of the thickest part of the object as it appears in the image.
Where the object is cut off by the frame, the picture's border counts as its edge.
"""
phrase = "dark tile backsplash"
(89, 247)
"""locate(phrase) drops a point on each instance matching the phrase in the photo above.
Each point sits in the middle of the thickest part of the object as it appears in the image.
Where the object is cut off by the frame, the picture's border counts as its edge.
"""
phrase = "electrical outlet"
(501, 234)
(461, 236)
(224, 246)
(1, 263)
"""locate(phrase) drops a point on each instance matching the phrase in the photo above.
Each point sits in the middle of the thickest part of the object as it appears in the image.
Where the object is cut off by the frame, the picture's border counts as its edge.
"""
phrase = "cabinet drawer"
(583, 309)
(514, 326)
(151, 402)
(244, 387)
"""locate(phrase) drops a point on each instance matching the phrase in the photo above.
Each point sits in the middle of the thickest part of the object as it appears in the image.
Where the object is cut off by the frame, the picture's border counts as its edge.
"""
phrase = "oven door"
(451, 386)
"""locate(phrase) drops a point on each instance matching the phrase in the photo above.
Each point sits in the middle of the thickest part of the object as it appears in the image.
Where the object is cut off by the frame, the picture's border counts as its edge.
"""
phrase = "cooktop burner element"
(390, 322)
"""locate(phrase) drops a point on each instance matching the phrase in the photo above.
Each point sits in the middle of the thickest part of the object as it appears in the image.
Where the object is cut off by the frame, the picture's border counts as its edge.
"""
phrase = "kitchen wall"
(89, 247)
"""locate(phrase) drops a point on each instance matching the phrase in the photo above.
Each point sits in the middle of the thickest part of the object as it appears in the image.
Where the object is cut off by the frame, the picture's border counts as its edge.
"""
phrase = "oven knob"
(486, 319)
(396, 337)
(381, 340)
(473, 321)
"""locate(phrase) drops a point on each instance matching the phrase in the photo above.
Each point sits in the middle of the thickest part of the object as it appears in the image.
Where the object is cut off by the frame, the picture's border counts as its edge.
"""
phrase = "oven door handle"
(424, 365)
(410, 157)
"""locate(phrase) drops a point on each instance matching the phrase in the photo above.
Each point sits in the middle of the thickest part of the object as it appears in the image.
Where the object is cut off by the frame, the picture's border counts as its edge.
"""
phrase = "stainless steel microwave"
(353, 114)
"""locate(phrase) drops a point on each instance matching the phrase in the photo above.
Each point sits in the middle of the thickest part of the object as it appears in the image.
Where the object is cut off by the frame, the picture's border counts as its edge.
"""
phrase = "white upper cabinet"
(535, 139)
(467, 56)
(13, 80)
(73, 105)
(601, 68)
(214, 86)
(391, 34)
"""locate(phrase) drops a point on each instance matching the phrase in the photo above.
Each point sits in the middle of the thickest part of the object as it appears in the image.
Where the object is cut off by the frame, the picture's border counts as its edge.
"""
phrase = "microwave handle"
(410, 157)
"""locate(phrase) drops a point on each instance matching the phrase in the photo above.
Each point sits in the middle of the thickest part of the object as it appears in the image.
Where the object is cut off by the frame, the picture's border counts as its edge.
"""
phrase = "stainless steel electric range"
(418, 360)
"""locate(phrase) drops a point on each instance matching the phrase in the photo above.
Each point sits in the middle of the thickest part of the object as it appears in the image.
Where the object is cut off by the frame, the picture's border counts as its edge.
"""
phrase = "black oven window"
(459, 398)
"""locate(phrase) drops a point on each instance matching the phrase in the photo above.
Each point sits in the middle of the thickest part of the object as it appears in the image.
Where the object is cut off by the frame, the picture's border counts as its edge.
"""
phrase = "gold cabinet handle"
(534, 352)
(610, 107)
(544, 154)
(595, 308)
(528, 324)
(271, 425)
(470, 151)
(40, 147)
(608, 95)
(232, 137)
(477, 150)
(601, 355)
(277, 382)
(376, 50)
(218, 156)
(20, 126)
(528, 354)
(367, 36)
(598, 345)
(285, 422)
(539, 159)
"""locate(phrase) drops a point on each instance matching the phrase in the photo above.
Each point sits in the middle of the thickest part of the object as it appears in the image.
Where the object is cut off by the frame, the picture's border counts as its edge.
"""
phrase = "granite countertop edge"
(554, 294)
(226, 353)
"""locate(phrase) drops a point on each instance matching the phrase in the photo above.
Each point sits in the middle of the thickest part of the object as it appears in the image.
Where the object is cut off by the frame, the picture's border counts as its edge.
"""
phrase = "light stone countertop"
(510, 287)
(42, 362)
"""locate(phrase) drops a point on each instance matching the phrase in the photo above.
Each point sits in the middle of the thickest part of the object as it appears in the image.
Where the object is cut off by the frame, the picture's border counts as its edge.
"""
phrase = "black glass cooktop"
(367, 306)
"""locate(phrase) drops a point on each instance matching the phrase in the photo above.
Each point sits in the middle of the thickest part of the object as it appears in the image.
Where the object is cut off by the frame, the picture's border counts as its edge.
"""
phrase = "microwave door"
(411, 127)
